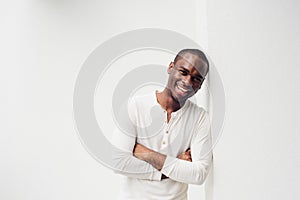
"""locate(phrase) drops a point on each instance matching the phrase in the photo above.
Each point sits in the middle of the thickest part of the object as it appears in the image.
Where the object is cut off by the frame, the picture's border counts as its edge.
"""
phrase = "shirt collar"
(173, 114)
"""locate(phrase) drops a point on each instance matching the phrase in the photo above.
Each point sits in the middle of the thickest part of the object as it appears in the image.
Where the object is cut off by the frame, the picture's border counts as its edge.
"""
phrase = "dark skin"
(185, 79)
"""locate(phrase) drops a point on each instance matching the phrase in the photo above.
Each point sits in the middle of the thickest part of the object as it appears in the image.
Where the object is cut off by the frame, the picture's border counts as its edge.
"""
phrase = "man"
(160, 164)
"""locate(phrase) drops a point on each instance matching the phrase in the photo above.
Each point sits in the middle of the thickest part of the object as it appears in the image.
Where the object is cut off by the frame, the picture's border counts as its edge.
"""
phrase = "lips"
(183, 90)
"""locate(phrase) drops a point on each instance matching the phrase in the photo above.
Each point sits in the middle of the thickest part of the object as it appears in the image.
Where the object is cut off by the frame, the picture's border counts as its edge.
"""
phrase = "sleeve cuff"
(156, 176)
(168, 165)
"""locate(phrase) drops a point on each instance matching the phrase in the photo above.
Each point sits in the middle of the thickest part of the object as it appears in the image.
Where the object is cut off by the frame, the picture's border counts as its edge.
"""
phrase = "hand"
(186, 156)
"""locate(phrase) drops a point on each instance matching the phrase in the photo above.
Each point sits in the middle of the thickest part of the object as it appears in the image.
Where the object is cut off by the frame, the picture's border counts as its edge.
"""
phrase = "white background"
(255, 46)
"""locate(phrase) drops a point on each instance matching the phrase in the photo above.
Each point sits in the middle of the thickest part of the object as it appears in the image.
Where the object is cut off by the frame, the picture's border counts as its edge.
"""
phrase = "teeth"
(182, 89)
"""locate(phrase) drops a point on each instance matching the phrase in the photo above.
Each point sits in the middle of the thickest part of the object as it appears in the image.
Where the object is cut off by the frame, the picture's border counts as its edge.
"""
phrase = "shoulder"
(197, 110)
(199, 115)
(143, 100)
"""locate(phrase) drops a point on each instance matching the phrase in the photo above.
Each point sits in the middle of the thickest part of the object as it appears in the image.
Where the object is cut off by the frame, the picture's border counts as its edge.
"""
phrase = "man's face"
(186, 76)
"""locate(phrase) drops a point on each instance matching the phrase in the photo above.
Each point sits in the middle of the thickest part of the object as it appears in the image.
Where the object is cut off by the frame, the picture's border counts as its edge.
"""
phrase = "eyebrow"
(198, 76)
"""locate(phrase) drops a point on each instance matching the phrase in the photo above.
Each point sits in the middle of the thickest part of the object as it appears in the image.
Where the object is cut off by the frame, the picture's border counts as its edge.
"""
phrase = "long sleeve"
(196, 171)
(124, 140)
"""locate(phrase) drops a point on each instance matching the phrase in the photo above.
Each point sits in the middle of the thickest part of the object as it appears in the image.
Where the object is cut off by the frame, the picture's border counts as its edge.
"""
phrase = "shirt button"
(164, 142)
(167, 132)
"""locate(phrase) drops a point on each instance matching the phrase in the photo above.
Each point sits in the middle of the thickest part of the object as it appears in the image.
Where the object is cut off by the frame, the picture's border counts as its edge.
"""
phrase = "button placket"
(166, 134)
(165, 139)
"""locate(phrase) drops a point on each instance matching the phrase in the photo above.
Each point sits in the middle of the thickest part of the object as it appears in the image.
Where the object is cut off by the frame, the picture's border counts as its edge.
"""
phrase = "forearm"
(132, 167)
(187, 172)
(179, 169)
(124, 163)
(194, 172)
(154, 158)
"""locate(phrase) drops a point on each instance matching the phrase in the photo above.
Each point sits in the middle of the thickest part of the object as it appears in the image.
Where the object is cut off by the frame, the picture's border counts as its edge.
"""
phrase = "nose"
(188, 80)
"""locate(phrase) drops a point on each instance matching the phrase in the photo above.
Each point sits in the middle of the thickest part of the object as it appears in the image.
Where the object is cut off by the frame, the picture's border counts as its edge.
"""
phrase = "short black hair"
(196, 52)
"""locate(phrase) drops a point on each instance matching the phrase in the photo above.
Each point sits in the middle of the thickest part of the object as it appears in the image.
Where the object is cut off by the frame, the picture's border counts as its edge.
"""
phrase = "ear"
(170, 68)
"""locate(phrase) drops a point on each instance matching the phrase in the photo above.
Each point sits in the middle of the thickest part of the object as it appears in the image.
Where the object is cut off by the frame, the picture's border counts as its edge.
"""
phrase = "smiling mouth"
(183, 89)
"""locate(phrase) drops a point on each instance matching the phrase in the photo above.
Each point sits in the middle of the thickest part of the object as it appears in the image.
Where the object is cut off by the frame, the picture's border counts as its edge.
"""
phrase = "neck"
(167, 101)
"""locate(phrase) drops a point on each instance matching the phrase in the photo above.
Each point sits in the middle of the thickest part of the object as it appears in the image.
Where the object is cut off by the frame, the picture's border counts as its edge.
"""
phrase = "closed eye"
(197, 79)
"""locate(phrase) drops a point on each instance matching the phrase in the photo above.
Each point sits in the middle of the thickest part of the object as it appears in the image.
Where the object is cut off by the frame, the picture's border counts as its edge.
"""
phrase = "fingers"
(185, 156)
(188, 151)
(188, 156)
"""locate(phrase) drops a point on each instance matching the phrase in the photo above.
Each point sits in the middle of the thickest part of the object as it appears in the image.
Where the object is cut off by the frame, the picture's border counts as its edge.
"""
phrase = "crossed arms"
(156, 159)
(138, 161)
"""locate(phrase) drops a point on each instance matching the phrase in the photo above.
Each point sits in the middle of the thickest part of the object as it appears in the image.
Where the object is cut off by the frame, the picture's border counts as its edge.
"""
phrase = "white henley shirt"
(189, 127)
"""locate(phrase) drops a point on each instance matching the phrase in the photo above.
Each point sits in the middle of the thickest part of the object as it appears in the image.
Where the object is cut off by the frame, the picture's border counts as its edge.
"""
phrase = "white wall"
(255, 46)
(43, 45)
